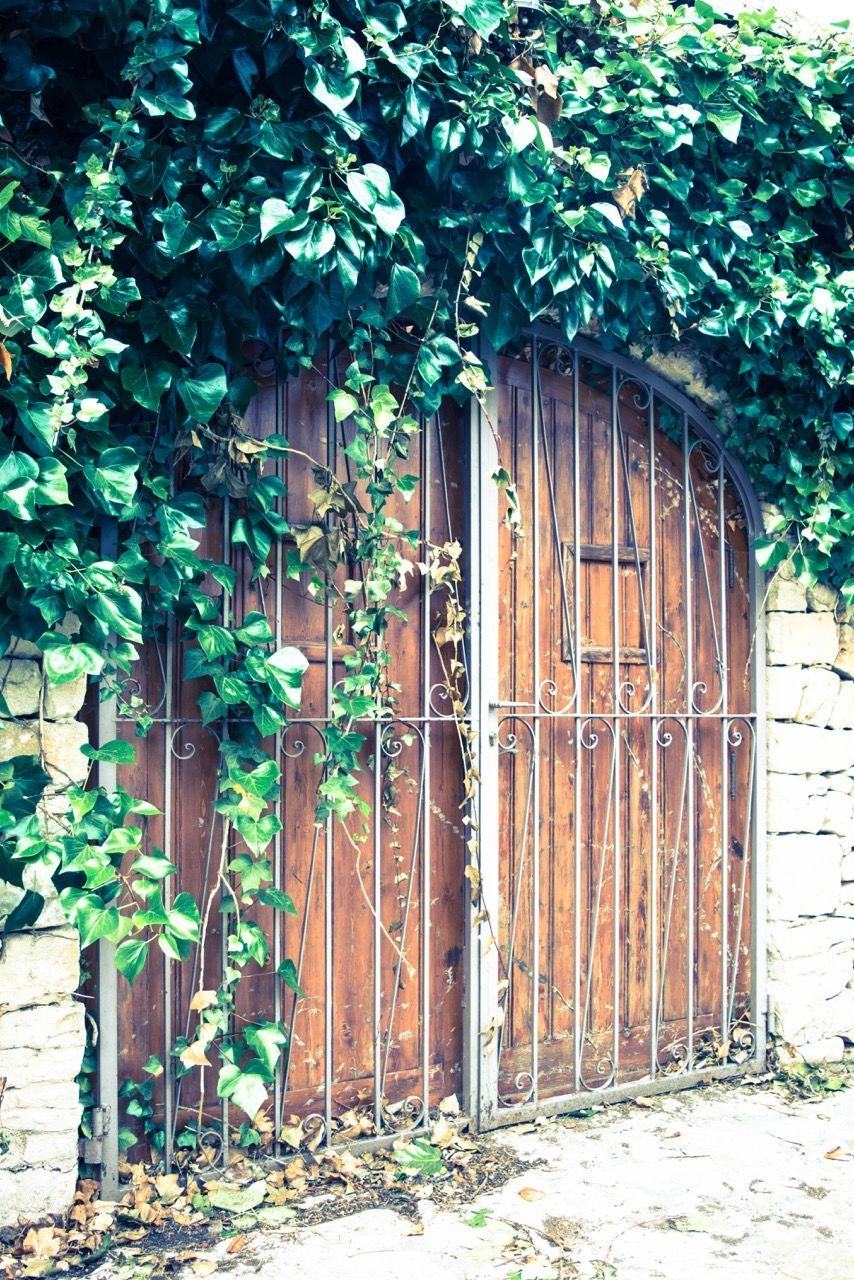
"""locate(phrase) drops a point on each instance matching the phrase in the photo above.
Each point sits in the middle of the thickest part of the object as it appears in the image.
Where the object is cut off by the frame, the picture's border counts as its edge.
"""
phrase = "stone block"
(831, 1049)
(822, 599)
(62, 743)
(844, 660)
(842, 715)
(848, 867)
(785, 595)
(804, 875)
(21, 685)
(29, 1027)
(839, 816)
(18, 739)
(808, 749)
(49, 1108)
(803, 748)
(51, 1064)
(784, 687)
(38, 965)
(788, 941)
(818, 698)
(822, 976)
(34, 1193)
(803, 1020)
(18, 648)
(790, 805)
(64, 700)
(793, 638)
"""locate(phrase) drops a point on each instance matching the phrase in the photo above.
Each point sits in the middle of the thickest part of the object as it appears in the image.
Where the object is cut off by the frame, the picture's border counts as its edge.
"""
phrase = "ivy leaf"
(419, 1158)
(287, 971)
(334, 90)
(404, 287)
(64, 660)
(114, 479)
(203, 391)
(240, 1200)
(130, 957)
(276, 216)
(727, 121)
(267, 1039)
(25, 912)
(245, 1089)
(147, 383)
(115, 752)
(483, 16)
(285, 670)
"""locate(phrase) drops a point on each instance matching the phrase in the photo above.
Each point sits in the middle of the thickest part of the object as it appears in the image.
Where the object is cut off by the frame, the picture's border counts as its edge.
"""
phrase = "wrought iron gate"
(616, 943)
(621, 754)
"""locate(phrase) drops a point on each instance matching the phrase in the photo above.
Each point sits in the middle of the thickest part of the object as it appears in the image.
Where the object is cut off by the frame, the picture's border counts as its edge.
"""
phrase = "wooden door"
(377, 940)
(626, 746)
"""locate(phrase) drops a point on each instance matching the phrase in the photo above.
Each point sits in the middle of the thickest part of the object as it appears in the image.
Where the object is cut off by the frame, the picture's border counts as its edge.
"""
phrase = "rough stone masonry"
(810, 816)
(42, 1035)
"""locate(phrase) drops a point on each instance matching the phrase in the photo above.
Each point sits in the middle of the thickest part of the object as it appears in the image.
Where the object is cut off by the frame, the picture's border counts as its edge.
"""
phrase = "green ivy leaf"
(130, 957)
(115, 752)
(203, 391)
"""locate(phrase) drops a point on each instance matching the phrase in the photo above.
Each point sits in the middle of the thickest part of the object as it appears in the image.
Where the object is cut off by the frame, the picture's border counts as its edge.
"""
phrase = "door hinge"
(91, 1150)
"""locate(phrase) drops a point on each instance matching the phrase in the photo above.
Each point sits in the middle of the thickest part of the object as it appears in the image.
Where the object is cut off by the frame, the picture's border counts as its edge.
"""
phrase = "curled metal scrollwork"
(409, 1113)
(190, 748)
(606, 1069)
(523, 1083)
(642, 397)
(439, 693)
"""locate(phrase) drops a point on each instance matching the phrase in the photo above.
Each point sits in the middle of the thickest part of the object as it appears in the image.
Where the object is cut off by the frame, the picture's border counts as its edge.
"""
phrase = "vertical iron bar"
(108, 1004)
(576, 789)
(328, 937)
(424, 798)
(226, 620)
(482, 1009)
(759, 1009)
(653, 749)
(618, 724)
(535, 552)
(168, 1074)
(689, 730)
(724, 789)
(278, 809)
(378, 746)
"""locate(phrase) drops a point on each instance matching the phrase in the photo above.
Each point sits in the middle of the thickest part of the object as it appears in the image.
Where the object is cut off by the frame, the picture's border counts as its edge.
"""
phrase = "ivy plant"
(185, 182)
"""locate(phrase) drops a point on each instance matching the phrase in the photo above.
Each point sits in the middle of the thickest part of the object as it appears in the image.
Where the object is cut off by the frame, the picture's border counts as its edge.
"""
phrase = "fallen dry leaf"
(204, 1267)
(5, 361)
(236, 1245)
(531, 1193)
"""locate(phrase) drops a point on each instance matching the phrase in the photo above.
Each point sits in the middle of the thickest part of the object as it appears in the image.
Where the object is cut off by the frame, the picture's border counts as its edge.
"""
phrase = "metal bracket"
(91, 1150)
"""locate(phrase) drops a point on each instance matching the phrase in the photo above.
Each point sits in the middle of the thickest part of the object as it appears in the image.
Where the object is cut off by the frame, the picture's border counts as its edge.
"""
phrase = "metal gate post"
(107, 991)
(482, 1008)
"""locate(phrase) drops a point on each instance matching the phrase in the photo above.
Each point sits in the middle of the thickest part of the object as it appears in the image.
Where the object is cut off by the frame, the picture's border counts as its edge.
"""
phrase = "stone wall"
(41, 1022)
(810, 709)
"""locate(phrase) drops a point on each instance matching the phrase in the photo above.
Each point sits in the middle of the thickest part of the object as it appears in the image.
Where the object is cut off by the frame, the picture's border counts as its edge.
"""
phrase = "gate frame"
(482, 1006)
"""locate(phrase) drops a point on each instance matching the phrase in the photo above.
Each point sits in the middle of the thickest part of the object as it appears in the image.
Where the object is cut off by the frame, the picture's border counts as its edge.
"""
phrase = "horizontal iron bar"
(574, 1102)
(622, 715)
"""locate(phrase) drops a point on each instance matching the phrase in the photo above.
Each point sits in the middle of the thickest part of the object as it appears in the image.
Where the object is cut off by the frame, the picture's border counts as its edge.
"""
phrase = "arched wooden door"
(620, 849)
(611, 939)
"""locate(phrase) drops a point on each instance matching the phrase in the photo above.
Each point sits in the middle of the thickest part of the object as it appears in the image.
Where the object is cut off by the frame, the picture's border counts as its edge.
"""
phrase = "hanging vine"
(181, 180)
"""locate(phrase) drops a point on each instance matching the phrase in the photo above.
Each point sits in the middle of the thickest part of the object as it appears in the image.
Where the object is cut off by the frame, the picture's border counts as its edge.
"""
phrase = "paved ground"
(719, 1184)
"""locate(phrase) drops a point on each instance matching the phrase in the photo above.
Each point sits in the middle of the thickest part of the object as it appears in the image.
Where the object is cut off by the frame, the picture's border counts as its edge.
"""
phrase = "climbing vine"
(182, 180)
